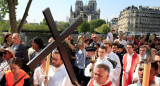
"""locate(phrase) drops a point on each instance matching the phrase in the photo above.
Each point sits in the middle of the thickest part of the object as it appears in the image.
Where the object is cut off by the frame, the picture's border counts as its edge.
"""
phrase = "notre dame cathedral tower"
(88, 12)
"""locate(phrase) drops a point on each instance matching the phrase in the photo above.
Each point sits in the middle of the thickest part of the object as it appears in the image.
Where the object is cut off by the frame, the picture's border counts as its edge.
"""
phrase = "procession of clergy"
(96, 61)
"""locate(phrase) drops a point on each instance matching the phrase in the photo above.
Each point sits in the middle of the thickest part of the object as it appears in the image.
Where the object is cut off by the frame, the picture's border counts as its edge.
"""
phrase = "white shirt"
(39, 75)
(129, 62)
(109, 37)
(139, 84)
(59, 77)
(121, 42)
(99, 61)
(4, 66)
(117, 69)
(135, 74)
(157, 80)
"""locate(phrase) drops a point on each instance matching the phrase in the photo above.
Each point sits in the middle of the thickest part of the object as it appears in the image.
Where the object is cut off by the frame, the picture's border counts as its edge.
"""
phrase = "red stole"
(135, 61)
(92, 80)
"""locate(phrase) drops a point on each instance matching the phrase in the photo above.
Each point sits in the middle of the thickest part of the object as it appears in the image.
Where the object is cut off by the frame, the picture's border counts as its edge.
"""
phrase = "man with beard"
(59, 73)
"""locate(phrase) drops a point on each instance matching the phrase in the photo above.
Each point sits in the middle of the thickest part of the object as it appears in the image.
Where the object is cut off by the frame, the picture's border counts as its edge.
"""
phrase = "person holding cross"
(59, 75)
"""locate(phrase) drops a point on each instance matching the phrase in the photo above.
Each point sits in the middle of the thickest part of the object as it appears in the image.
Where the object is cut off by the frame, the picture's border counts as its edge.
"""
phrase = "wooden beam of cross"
(57, 43)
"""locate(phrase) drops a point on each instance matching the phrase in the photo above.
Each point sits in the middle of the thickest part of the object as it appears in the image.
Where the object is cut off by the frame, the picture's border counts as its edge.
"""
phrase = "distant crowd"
(96, 61)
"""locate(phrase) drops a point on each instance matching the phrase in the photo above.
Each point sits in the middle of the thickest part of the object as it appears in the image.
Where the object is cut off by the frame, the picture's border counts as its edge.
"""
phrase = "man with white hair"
(120, 39)
(130, 39)
(101, 76)
(110, 35)
(20, 50)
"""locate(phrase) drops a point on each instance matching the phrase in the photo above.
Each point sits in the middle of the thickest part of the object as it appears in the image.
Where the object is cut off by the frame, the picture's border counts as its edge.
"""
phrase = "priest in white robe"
(115, 62)
(100, 59)
(59, 75)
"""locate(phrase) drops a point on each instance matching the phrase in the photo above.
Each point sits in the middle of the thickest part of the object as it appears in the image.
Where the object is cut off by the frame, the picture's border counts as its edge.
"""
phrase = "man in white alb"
(114, 57)
(60, 76)
(101, 59)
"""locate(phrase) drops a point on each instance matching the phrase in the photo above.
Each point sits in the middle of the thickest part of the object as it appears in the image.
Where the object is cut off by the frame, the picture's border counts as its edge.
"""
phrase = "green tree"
(62, 25)
(44, 21)
(9, 6)
(33, 27)
(103, 29)
(96, 23)
(84, 27)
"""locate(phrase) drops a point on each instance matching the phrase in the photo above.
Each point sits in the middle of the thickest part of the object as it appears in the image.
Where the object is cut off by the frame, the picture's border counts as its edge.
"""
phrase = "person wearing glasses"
(59, 73)
(20, 51)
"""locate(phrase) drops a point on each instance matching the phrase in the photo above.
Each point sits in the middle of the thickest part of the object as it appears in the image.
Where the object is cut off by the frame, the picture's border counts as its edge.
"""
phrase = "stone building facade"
(88, 12)
(114, 24)
(139, 20)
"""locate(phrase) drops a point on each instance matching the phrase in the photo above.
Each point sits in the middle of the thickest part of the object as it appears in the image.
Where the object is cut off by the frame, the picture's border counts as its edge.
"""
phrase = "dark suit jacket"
(21, 52)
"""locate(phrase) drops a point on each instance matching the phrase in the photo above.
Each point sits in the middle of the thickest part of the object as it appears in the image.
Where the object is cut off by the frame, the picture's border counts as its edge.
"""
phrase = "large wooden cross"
(57, 43)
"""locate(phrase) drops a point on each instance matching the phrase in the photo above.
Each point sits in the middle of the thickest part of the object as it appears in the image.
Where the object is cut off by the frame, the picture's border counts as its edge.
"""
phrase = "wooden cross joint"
(57, 43)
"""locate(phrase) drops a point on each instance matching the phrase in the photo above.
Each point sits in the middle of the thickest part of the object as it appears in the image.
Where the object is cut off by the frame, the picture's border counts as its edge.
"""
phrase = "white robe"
(99, 61)
(139, 84)
(123, 42)
(4, 66)
(39, 76)
(59, 77)
(157, 80)
(117, 69)
(109, 37)
(135, 74)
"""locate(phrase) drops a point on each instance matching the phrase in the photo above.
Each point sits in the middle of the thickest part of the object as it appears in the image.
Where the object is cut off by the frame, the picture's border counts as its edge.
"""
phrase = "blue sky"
(61, 8)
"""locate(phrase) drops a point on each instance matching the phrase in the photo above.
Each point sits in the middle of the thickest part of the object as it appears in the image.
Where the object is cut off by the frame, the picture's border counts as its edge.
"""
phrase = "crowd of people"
(96, 61)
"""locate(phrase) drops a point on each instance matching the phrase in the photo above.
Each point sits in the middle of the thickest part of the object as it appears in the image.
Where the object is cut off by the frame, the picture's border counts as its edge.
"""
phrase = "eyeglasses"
(14, 38)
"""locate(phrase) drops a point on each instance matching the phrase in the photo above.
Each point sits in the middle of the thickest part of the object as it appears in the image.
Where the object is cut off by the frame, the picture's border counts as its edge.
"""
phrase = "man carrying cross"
(59, 75)
(57, 43)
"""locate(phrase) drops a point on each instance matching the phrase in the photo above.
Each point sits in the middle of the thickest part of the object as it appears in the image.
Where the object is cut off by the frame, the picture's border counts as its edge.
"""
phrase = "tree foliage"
(62, 25)
(9, 6)
(104, 29)
(4, 7)
(44, 21)
(96, 23)
(84, 27)
(33, 27)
